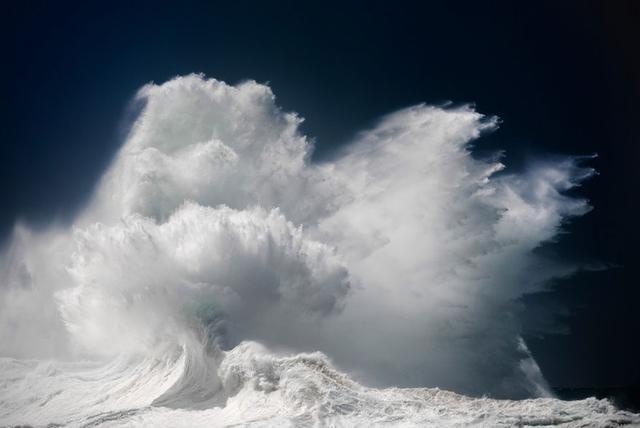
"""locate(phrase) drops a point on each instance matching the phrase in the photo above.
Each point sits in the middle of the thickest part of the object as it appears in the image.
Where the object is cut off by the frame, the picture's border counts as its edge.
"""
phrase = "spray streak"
(401, 260)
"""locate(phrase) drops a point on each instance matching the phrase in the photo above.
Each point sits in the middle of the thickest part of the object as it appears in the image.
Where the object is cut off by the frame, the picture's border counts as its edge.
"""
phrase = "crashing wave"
(402, 259)
(250, 386)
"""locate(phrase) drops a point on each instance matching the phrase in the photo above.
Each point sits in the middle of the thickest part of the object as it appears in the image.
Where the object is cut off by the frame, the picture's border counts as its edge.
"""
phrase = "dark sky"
(564, 77)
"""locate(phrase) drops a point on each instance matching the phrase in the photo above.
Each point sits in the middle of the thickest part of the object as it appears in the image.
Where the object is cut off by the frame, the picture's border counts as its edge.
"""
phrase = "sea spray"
(401, 260)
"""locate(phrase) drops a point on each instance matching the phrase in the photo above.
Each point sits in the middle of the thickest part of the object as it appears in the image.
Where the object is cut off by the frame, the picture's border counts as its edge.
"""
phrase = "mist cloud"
(402, 258)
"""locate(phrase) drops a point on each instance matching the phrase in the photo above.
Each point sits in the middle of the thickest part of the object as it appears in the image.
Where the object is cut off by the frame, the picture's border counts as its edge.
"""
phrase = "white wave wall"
(250, 386)
(402, 258)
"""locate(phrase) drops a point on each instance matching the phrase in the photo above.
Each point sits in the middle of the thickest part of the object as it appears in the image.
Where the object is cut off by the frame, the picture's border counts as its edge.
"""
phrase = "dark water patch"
(625, 398)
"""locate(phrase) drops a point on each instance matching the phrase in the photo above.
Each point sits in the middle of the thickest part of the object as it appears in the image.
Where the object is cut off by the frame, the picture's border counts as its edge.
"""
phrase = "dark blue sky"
(563, 76)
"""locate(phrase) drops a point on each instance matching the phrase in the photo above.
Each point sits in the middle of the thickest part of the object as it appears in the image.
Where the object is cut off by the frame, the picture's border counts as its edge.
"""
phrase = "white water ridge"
(252, 387)
(219, 277)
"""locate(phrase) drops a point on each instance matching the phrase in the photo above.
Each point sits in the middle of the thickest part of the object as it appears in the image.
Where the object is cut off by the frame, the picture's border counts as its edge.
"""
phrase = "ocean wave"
(250, 386)
(402, 259)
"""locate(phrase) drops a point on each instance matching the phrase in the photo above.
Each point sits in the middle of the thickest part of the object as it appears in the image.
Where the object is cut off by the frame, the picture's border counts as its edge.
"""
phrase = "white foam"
(249, 386)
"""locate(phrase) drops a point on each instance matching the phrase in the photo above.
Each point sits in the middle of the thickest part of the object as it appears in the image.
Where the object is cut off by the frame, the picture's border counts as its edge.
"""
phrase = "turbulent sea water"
(218, 277)
(249, 386)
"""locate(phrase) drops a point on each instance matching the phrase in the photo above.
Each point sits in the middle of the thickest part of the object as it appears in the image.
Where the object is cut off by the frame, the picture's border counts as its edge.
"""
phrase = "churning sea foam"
(217, 276)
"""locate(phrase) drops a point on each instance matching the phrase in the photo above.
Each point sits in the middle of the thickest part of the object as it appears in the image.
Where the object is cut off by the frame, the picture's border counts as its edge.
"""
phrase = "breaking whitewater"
(218, 277)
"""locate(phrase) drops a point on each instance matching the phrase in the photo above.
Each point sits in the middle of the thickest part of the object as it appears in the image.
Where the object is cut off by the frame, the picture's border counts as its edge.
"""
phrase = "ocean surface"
(623, 397)
(248, 386)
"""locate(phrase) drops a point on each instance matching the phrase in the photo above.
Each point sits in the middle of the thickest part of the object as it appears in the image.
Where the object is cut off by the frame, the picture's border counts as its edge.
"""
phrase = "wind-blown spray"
(402, 259)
